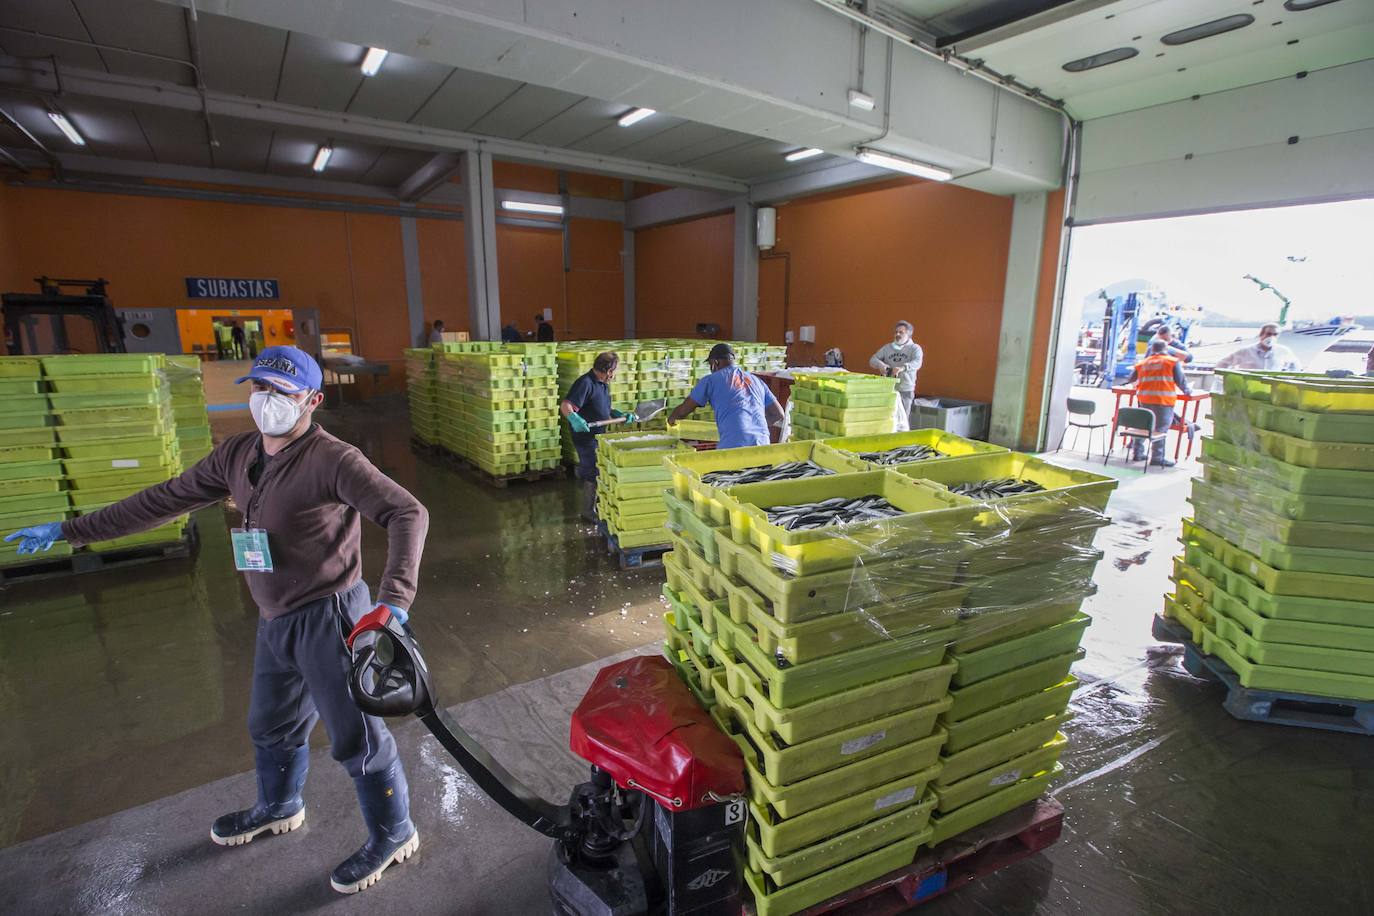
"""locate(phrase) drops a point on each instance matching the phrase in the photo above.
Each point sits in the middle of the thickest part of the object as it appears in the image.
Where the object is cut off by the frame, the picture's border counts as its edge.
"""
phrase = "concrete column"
(415, 300)
(479, 230)
(745, 313)
(627, 262)
(1018, 318)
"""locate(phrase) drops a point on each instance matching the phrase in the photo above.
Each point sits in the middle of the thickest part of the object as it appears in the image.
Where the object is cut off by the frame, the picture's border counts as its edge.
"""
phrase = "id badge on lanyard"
(251, 550)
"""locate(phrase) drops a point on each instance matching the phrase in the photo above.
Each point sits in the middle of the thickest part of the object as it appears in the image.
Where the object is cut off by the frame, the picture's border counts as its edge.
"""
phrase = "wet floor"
(1173, 806)
(122, 687)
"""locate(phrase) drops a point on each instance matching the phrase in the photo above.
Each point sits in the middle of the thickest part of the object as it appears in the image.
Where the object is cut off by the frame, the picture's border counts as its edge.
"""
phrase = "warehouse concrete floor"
(124, 694)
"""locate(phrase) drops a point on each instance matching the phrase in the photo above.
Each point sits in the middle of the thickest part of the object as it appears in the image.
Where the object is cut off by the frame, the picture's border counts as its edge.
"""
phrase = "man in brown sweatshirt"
(302, 492)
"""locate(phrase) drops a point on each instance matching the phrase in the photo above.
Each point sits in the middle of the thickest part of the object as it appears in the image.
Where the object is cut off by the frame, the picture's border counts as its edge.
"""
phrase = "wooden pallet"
(86, 561)
(1272, 706)
(634, 557)
(957, 862)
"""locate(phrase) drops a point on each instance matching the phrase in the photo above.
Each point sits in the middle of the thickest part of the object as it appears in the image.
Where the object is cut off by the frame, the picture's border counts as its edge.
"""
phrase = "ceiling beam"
(429, 176)
(38, 76)
(840, 175)
(676, 205)
(161, 171)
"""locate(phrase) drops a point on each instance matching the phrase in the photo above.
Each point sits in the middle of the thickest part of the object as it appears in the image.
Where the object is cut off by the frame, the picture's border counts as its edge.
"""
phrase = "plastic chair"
(1081, 407)
(1138, 425)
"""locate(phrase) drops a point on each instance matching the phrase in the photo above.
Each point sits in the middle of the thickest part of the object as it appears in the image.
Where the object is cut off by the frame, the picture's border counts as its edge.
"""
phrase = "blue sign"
(228, 288)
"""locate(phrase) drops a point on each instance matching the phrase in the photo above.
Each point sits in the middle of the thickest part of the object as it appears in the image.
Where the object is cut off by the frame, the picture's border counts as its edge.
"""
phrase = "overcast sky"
(1201, 260)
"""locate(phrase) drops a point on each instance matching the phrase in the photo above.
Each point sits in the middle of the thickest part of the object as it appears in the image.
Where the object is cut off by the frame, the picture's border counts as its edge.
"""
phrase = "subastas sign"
(229, 288)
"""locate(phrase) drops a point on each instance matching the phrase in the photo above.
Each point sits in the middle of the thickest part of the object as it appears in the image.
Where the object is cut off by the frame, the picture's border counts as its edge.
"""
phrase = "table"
(343, 372)
(1181, 418)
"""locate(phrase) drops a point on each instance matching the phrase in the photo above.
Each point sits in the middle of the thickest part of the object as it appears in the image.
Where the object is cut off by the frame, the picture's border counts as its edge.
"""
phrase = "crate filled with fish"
(699, 476)
(1276, 576)
(908, 452)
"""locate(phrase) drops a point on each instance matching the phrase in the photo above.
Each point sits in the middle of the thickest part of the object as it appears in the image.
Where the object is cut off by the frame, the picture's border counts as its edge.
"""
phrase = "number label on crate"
(900, 797)
(855, 745)
(1006, 778)
(124, 463)
(734, 811)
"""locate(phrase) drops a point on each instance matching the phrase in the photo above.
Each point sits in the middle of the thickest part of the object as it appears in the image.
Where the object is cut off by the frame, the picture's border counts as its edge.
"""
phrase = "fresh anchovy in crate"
(901, 454)
(791, 470)
(1000, 488)
(835, 511)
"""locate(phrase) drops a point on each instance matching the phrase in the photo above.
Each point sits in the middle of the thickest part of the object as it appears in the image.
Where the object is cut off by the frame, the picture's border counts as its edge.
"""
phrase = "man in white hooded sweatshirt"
(901, 358)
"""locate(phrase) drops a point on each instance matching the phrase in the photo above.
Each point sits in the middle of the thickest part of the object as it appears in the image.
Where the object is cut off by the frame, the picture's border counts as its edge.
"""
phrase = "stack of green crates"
(32, 490)
(863, 742)
(629, 486)
(116, 432)
(492, 402)
(422, 392)
(1277, 572)
(189, 410)
(538, 364)
(448, 405)
(842, 404)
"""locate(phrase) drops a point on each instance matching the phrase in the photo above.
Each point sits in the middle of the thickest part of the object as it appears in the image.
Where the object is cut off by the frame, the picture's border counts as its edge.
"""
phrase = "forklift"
(25, 334)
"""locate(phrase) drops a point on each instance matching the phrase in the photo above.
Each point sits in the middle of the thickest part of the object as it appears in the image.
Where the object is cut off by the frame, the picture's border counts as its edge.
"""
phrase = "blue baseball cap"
(288, 368)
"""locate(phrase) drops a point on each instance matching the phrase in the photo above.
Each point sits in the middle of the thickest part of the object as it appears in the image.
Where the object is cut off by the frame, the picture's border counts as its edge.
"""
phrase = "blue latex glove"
(619, 414)
(578, 424)
(39, 538)
(402, 617)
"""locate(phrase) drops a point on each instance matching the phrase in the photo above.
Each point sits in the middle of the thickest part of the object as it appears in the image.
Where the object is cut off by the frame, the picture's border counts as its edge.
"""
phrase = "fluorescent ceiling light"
(861, 100)
(903, 164)
(372, 61)
(322, 158)
(634, 116)
(522, 206)
(799, 155)
(65, 126)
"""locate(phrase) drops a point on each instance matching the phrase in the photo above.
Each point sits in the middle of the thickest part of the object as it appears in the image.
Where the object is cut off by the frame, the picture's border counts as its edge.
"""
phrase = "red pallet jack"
(657, 829)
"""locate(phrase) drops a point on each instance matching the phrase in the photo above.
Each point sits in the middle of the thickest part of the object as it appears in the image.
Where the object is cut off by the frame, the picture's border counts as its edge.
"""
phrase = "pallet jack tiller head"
(657, 828)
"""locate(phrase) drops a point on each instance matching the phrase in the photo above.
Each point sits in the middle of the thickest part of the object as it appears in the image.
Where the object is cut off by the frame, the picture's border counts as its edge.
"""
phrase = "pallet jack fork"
(654, 829)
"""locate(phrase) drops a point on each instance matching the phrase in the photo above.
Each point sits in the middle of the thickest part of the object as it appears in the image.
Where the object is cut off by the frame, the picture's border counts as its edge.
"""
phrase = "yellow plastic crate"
(1021, 682)
(954, 795)
(1065, 488)
(770, 900)
(688, 467)
(946, 826)
(1353, 396)
(912, 821)
(950, 446)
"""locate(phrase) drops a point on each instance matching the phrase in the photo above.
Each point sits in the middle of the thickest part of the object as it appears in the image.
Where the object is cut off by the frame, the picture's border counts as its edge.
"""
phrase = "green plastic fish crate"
(116, 413)
(848, 415)
(1065, 488)
(1287, 680)
(13, 470)
(843, 631)
(136, 478)
(19, 386)
(770, 900)
(1330, 455)
(784, 764)
(31, 435)
(10, 453)
(682, 519)
(13, 521)
(20, 367)
(924, 690)
(24, 405)
(930, 516)
(1013, 685)
(1317, 426)
(780, 836)
(990, 626)
(1032, 584)
(985, 755)
(1269, 503)
(955, 795)
(629, 450)
(910, 822)
(101, 384)
(950, 447)
(1187, 616)
(132, 447)
(795, 599)
(947, 826)
(1286, 655)
(56, 367)
(47, 500)
(10, 556)
(971, 730)
(1016, 653)
(1355, 396)
(165, 534)
(28, 486)
(648, 537)
(828, 428)
(688, 467)
(1300, 584)
(793, 685)
(1357, 637)
(1257, 384)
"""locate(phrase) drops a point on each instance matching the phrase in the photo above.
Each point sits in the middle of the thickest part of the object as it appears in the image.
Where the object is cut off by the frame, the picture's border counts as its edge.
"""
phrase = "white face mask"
(275, 413)
(1266, 343)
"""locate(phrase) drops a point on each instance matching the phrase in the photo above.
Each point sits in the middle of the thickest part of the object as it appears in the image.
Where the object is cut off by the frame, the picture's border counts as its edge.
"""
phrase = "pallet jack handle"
(389, 678)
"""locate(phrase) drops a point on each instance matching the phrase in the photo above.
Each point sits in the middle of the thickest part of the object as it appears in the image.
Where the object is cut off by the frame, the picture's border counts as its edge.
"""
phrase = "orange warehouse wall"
(683, 276)
(932, 254)
(444, 272)
(530, 264)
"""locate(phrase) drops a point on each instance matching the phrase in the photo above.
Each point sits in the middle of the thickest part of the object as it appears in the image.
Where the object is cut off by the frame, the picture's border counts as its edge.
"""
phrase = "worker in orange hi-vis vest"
(1159, 380)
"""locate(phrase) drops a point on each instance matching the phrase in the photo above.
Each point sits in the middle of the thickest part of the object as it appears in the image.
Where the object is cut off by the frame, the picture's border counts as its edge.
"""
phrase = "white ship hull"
(1307, 343)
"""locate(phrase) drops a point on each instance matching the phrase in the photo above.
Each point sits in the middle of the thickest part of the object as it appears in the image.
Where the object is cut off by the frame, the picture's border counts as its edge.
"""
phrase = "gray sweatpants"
(300, 675)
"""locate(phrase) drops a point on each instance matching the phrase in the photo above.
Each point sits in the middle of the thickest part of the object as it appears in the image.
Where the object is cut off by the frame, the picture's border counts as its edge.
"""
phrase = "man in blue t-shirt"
(743, 405)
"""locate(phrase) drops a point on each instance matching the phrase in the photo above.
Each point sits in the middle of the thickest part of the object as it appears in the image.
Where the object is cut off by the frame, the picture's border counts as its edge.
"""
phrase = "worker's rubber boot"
(589, 501)
(280, 808)
(391, 837)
